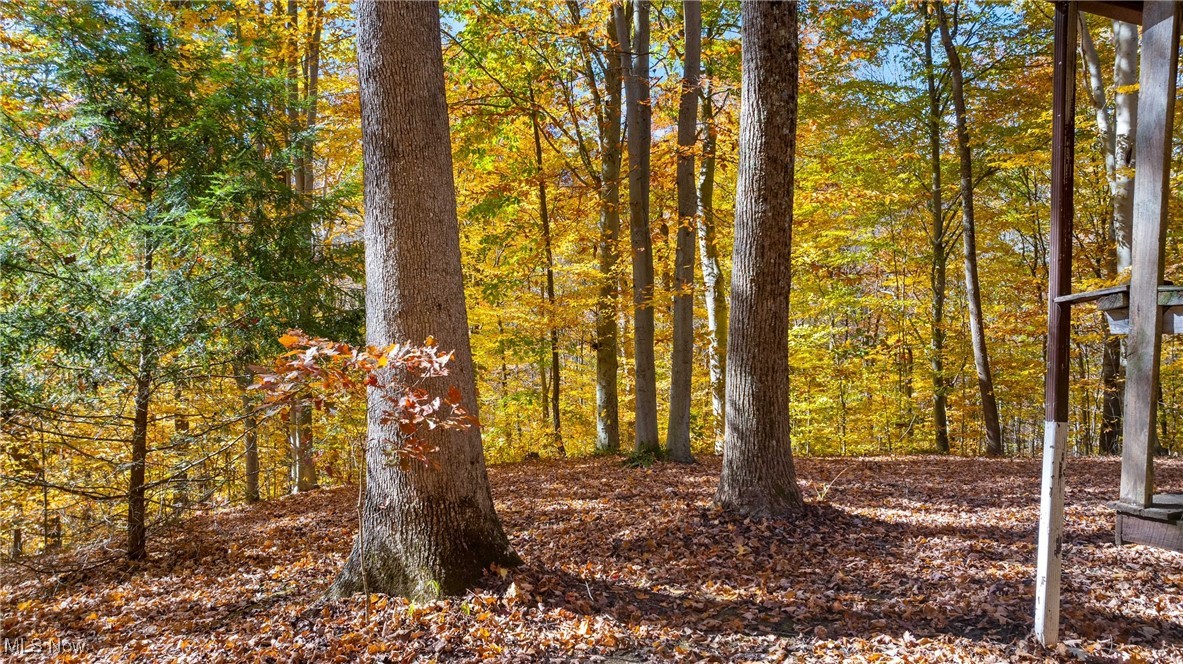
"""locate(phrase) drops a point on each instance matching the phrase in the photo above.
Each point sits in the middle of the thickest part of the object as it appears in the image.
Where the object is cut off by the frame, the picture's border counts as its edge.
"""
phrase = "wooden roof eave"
(1129, 11)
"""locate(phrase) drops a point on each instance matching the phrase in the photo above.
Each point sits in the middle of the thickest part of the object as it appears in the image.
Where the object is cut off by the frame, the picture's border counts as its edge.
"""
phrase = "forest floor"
(896, 559)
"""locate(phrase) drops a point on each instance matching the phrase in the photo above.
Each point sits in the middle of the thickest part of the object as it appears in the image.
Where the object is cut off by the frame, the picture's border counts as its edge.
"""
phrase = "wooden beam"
(1055, 432)
(1089, 296)
(1132, 529)
(1156, 110)
(1130, 12)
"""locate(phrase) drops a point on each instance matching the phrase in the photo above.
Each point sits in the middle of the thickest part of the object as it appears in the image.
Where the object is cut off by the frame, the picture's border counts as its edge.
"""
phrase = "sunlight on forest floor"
(925, 558)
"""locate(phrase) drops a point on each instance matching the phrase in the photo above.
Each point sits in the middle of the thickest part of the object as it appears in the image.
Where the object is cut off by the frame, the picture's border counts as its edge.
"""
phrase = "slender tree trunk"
(973, 288)
(940, 258)
(137, 504)
(250, 439)
(544, 215)
(714, 295)
(1125, 107)
(682, 362)
(1116, 128)
(300, 445)
(311, 99)
(639, 117)
(181, 449)
(544, 390)
(758, 474)
(250, 429)
(137, 507)
(1125, 127)
(607, 393)
(303, 119)
(429, 529)
(1109, 441)
(292, 103)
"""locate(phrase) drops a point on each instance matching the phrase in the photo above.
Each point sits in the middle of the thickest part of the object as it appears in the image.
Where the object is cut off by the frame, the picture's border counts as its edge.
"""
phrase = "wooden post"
(1055, 436)
(1156, 109)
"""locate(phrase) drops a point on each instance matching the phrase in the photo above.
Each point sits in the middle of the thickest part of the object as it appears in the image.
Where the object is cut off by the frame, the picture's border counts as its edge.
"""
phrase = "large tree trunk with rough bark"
(639, 117)
(977, 325)
(714, 293)
(758, 475)
(682, 362)
(427, 529)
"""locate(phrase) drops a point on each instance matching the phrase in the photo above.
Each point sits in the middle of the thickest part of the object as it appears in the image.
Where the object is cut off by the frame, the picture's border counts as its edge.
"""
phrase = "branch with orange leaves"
(325, 373)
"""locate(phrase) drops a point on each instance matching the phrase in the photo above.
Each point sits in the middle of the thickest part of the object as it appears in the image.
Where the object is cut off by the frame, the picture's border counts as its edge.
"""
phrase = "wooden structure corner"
(1144, 310)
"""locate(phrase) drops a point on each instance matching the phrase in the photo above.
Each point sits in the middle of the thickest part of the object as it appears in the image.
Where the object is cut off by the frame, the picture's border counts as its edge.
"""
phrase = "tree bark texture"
(1125, 128)
(714, 291)
(300, 447)
(682, 361)
(250, 437)
(137, 490)
(639, 117)
(544, 216)
(137, 503)
(1116, 126)
(977, 326)
(940, 258)
(429, 529)
(302, 115)
(758, 475)
(607, 336)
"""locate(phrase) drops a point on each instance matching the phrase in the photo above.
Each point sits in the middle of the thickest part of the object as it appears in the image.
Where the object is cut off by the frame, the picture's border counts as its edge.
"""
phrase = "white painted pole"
(1051, 534)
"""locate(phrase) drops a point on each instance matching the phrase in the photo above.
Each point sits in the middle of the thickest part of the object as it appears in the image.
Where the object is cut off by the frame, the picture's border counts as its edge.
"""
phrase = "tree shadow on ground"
(855, 604)
(958, 561)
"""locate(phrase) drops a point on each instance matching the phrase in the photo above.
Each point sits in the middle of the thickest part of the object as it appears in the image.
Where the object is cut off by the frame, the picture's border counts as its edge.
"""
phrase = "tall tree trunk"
(300, 445)
(315, 21)
(1109, 440)
(250, 437)
(544, 216)
(758, 474)
(1116, 129)
(682, 362)
(291, 56)
(137, 505)
(977, 326)
(250, 428)
(428, 529)
(714, 295)
(607, 393)
(303, 117)
(544, 391)
(639, 117)
(940, 258)
(181, 449)
(1125, 127)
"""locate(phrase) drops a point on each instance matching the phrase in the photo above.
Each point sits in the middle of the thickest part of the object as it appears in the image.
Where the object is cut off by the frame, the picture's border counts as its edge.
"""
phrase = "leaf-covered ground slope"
(901, 559)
